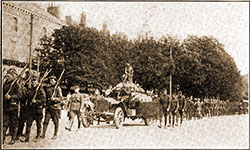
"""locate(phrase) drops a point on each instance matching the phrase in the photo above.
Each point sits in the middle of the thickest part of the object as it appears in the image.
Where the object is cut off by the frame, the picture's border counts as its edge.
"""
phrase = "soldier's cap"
(12, 71)
(75, 86)
(127, 64)
(52, 77)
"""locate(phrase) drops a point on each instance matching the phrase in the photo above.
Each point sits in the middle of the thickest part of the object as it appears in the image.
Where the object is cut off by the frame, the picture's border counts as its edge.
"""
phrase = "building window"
(15, 26)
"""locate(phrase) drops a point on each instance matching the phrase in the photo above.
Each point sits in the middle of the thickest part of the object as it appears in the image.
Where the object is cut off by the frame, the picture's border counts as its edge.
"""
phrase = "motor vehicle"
(121, 105)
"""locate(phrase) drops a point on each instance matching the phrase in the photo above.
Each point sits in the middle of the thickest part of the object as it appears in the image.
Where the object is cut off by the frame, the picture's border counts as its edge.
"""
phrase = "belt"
(13, 103)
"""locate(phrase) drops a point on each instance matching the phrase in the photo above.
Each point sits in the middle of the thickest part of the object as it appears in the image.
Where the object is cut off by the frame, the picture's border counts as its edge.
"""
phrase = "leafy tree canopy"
(200, 65)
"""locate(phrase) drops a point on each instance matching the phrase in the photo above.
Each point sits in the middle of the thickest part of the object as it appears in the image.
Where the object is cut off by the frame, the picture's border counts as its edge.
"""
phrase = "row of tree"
(200, 65)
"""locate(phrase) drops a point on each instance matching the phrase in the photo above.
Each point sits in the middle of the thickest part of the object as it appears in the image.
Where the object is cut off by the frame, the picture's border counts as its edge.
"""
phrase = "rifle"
(57, 83)
(3, 72)
(11, 87)
(40, 83)
(16, 79)
(27, 80)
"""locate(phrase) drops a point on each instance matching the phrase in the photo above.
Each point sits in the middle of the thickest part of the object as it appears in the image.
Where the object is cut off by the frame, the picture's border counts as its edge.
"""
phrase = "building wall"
(16, 29)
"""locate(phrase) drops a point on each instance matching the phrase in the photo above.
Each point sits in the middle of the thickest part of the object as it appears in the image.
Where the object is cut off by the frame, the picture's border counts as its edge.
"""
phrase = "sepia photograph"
(124, 75)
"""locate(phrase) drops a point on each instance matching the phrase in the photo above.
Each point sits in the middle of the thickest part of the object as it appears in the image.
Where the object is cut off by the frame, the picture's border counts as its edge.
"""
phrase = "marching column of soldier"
(179, 106)
(24, 105)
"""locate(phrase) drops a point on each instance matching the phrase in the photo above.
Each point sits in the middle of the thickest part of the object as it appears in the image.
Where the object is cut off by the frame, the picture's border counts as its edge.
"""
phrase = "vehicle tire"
(118, 117)
(86, 119)
(148, 121)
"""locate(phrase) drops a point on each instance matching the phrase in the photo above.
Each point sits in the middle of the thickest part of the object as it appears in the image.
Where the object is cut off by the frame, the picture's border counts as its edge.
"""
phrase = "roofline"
(32, 13)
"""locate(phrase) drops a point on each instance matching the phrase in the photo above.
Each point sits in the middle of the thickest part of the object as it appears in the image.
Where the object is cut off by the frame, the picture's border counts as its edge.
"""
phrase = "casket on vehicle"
(118, 107)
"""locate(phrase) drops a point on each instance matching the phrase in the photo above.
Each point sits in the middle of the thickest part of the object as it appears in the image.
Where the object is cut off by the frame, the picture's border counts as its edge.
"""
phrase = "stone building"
(23, 24)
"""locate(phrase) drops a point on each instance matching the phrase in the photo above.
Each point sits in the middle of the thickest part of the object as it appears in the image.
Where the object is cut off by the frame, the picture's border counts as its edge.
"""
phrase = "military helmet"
(12, 71)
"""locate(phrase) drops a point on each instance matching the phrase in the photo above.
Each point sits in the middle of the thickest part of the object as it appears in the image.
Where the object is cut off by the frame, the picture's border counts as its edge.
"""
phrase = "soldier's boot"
(27, 132)
(166, 121)
(79, 124)
(169, 120)
(39, 130)
(56, 131)
(181, 119)
(43, 135)
(4, 133)
(13, 138)
(176, 120)
(3, 139)
(12, 142)
(27, 137)
(173, 121)
(161, 119)
(19, 134)
(70, 125)
(98, 122)
(18, 137)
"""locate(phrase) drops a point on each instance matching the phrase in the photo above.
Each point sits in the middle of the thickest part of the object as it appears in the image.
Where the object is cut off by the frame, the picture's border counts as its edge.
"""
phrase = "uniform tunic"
(53, 107)
(76, 104)
(164, 101)
(23, 109)
(55, 104)
(35, 110)
(10, 108)
(181, 103)
(174, 105)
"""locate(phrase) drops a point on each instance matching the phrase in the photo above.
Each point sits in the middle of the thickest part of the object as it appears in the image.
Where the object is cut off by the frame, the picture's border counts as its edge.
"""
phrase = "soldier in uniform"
(129, 71)
(182, 105)
(10, 105)
(199, 108)
(193, 108)
(211, 107)
(23, 105)
(164, 101)
(35, 107)
(188, 109)
(174, 106)
(75, 107)
(206, 107)
(227, 107)
(53, 106)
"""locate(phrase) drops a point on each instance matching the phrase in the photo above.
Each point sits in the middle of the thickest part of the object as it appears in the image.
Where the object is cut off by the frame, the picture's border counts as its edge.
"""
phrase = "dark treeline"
(200, 65)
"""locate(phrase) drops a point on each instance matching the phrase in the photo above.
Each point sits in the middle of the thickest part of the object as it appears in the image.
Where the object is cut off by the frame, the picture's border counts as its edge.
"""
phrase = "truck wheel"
(118, 117)
(148, 121)
(86, 118)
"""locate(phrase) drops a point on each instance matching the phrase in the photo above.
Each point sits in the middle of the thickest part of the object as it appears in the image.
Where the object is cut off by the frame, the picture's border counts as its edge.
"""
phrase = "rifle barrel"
(16, 79)
(40, 83)
(57, 83)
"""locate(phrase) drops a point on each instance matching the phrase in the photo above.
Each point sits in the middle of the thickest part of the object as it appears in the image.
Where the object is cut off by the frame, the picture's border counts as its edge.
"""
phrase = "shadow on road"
(109, 126)
(129, 125)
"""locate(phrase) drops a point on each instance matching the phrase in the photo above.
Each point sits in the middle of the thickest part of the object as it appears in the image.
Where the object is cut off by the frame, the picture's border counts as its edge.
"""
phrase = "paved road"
(217, 132)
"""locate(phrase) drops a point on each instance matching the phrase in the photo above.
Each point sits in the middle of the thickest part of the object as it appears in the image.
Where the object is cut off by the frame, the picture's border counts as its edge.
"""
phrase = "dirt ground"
(217, 132)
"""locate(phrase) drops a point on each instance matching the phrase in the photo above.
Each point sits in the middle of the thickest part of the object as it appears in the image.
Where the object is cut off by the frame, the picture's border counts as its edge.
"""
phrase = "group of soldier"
(24, 104)
(40, 101)
(178, 107)
(28, 99)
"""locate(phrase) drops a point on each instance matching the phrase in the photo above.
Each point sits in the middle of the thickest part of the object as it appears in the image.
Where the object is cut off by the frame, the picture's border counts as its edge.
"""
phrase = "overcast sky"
(226, 21)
